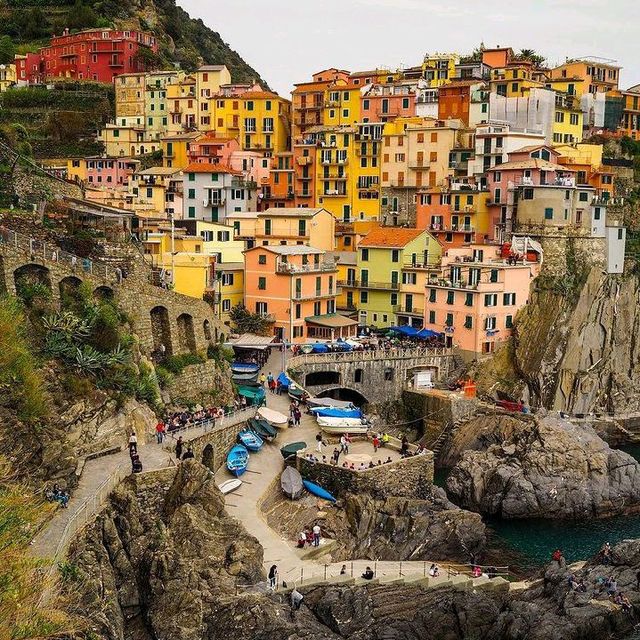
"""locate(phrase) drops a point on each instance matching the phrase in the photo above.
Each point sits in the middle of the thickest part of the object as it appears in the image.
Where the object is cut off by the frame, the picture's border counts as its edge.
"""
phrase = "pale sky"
(287, 40)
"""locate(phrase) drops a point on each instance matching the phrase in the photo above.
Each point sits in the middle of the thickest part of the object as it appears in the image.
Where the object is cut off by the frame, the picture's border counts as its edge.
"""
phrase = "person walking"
(316, 535)
(296, 600)
(319, 442)
(179, 448)
(160, 429)
(297, 416)
(273, 577)
(343, 444)
(133, 443)
(376, 444)
(263, 379)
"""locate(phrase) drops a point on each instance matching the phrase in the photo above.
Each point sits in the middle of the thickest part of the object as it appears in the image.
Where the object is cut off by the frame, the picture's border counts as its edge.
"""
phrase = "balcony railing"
(368, 284)
(285, 267)
(421, 264)
(411, 311)
(332, 194)
(299, 296)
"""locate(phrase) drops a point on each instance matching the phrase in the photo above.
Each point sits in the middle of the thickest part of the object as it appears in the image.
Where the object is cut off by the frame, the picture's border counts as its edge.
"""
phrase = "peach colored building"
(110, 172)
(383, 102)
(295, 286)
(210, 149)
(475, 298)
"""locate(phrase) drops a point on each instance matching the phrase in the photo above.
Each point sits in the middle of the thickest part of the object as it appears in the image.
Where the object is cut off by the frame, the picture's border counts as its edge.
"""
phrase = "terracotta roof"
(533, 163)
(307, 86)
(206, 167)
(390, 237)
(532, 147)
(213, 138)
(259, 94)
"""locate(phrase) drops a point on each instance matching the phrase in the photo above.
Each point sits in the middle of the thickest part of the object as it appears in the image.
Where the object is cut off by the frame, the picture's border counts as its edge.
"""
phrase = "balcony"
(214, 202)
(304, 160)
(303, 194)
(333, 176)
(415, 163)
(244, 184)
(299, 296)
(408, 311)
(332, 194)
(367, 284)
(392, 112)
(285, 267)
(421, 264)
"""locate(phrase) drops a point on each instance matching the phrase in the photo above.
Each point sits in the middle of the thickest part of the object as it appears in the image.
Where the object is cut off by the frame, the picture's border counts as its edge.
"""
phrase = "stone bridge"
(158, 316)
(375, 376)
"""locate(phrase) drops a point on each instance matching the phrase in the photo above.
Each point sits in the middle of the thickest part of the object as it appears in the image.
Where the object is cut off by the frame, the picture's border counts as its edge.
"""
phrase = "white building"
(533, 112)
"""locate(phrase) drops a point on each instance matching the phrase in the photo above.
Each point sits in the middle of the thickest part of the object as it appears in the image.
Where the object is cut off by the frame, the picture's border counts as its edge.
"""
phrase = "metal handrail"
(216, 423)
(359, 356)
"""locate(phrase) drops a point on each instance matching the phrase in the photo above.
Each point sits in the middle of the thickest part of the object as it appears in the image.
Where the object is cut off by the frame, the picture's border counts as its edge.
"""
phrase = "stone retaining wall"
(407, 478)
(205, 384)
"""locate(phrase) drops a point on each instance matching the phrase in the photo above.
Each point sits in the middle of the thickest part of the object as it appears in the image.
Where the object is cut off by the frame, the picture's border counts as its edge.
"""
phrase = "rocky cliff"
(547, 468)
(164, 561)
(574, 350)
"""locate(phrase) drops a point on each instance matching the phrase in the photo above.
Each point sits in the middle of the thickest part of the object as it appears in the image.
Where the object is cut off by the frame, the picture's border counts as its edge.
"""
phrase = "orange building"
(497, 58)
(454, 100)
(295, 286)
(277, 189)
(210, 149)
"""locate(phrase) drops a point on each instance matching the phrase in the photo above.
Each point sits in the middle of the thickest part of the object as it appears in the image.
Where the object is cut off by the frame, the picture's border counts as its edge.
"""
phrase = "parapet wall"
(407, 478)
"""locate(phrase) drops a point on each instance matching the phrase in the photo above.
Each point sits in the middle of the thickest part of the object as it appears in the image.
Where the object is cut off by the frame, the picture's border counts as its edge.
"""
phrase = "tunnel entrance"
(322, 377)
(342, 393)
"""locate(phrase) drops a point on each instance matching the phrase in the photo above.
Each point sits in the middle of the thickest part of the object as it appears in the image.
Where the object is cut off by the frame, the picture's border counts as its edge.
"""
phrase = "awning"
(405, 330)
(522, 244)
(251, 341)
(332, 320)
(427, 333)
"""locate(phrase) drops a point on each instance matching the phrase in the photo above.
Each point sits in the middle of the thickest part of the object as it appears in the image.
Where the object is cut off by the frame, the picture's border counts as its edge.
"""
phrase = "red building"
(94, 54)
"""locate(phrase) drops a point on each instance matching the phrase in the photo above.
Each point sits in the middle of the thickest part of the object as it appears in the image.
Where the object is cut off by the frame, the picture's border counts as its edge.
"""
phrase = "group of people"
(136, 463)
(310, 536)
(185, 418)
(56, 494)
(295, 414)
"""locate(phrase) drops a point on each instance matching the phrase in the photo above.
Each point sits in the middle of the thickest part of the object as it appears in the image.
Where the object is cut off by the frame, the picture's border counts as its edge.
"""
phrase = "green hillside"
(183, 40)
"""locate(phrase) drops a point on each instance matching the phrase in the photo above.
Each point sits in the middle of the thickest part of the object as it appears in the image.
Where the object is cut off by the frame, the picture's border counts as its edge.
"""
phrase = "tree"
(7, 50)
(246, 322)
(531, 56)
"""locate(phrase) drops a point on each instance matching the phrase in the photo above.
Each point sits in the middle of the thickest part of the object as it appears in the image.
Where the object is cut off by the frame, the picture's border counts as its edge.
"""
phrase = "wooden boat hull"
(237, 460)
(250, 440)
(361, 430)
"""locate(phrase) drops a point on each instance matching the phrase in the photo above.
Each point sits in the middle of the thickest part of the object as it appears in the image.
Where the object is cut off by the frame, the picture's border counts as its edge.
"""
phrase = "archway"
(322, 377)
(69, 290)
(161, 330)
(103, 293)
(344, 393)
(186, 333)
(206, 327)
(208, 457)
(32, 281)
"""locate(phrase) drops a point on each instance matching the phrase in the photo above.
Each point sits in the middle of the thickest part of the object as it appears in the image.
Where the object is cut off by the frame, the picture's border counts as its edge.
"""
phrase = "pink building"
(475, 298)
(253, 165)
(211, 149)
(384, 102)
(110, 172)
(530, 166)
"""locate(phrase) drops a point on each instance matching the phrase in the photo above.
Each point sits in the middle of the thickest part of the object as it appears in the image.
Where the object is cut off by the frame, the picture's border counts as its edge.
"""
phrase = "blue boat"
(317, 490)
(237, 459)
(332, 412)
(250, 440)
(244, 367)
(284, 380)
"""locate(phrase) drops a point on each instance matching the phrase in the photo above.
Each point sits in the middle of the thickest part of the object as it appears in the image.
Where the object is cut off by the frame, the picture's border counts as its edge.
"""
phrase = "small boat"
(291, 483)
(306, 348)
(229, 486)
(297, 393)
(263, 429)
(334, 430)
(245, 378)
(330, 402)
(284, 380)
(237, 459)
(274, 418)
(244, 367)
(324, 421)
(329, 412)
(250, 440)
(317, 490)
(292, 448)
(254, 395)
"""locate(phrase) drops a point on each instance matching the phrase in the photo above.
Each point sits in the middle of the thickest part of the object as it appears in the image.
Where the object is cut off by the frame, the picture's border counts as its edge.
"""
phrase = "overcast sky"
(287, 40)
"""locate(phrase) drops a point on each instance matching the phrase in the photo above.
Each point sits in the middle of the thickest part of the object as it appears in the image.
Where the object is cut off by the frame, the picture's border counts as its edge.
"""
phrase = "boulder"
(549, 468)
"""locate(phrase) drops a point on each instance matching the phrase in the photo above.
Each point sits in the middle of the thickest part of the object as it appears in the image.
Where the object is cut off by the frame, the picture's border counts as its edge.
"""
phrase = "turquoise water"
(535, 540)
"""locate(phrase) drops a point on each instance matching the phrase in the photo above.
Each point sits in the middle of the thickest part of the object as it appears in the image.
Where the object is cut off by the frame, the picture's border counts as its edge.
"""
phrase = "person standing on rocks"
(133, 444)
(160, 431)
(273, 577)
(316, 535)
(179, 448)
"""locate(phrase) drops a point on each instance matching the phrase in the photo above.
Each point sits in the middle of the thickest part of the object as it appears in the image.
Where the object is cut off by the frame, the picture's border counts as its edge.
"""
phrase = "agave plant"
(58, 345)
(68, 323)
(119, 355)
(89, 361)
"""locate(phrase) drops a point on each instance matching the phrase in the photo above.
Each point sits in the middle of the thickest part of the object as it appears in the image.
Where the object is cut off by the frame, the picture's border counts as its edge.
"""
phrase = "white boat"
(229, 485)
(342, 425)
(329, 403)
(274, 418)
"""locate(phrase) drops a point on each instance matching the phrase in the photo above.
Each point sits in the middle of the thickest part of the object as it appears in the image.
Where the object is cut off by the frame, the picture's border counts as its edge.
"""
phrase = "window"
(388, 374)
(262, 258)
(365, 255)
(267, 227)
(262, 284)
(490, 323)
(450, 297)
(358, 375)
(432, 317)
(508, 298)
(548, 213)
(490, 299)
(364, 297)
(192, 177)
(298, 332)
(468, 322)
(493, 276)
(226, 304)
(227, 279)
(584, 196)
(395, 255)
(192, 194)
(468, 299)
(449, 320)
(508, 323)
(433, 293)
(192, 212)
(302, 227)
(393, 299)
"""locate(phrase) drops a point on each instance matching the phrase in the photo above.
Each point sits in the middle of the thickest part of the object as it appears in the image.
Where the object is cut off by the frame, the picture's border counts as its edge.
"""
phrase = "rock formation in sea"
(546, 468)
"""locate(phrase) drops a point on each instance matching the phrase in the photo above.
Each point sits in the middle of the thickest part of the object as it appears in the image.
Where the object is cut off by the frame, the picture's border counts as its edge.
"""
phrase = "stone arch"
(208, 455)
(161, 330)
(322, 377)
(31, 274)
(103, 293)
(206, 327)
(186, 333)
(69, 289)
(358, 376)
(344, 393)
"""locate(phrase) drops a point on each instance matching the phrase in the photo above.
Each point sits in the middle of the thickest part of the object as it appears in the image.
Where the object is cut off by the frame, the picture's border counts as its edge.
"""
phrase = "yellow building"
(229, 288)
(77, 169)
(439, 68)
(245, 226)
(218, 239)
(175, 149)
(156, 193)
(209, 78)
(299, 225)
(568, 119)
(130, 99)
(182, 104)
(7, 76)
(126, 141)
(382, 257)
(598, 77)
(341, 104)
(514, 81)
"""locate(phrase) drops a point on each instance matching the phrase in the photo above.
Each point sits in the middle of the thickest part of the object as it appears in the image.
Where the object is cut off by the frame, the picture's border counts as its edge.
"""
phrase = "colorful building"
(312, 227)
(295, 287)
(630, 125)
(385, 102)
(439, 68)
(156, 193)
(93, 54)
(176, 149)
(382, 256)
(598, 76)
(8, 77)
(101, 171)
(476, 296)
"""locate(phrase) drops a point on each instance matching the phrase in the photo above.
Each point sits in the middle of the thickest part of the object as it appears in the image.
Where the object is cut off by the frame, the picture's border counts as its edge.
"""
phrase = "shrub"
(164, 377)
(175, 364)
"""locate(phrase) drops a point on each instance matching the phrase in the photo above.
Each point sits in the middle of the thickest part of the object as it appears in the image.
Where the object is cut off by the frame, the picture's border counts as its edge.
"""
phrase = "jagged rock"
(404, 529)
(550, 468)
